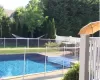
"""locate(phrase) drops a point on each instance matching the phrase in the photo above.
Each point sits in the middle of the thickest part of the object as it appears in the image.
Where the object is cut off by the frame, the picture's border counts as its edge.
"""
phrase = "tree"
(29, 19)
(19, 18)
(71, 15)
(51, 29)
(34, 15)
(45, 27)
(6, 26)
(1, 15)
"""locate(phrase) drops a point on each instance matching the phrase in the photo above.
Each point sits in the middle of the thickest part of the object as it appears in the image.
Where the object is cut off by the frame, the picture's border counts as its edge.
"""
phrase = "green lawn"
(26, 50)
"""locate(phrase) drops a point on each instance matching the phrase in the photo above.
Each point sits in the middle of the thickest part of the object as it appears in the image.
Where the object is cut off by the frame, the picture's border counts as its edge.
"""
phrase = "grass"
(25, 50)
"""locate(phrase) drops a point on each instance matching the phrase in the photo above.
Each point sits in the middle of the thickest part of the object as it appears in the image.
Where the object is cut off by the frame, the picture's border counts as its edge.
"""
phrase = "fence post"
(75, 53)
(24, 67)
(28, 43)
(38, 42)
(45, 62)
(84, 58)
(16, 42)
(4, 42)
(63, 60)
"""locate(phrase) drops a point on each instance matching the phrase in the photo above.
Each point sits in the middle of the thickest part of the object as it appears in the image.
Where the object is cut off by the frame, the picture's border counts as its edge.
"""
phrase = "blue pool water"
(12, 65)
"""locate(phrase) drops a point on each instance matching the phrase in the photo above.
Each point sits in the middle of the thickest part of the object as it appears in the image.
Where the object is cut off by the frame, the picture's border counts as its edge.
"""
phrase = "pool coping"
(41, 75)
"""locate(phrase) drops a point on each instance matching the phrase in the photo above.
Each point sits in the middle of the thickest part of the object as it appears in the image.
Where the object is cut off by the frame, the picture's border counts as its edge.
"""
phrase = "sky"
(13, 4)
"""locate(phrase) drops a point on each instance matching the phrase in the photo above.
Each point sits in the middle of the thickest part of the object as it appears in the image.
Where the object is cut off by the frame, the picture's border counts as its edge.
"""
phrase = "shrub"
(73, 73)
(51, 44)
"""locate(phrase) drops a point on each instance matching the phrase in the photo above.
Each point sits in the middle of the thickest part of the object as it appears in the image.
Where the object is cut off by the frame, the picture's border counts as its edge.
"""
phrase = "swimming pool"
(12, 65)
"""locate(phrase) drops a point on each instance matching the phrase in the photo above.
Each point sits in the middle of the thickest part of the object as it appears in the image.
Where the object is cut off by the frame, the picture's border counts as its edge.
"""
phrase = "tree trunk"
(31, 34)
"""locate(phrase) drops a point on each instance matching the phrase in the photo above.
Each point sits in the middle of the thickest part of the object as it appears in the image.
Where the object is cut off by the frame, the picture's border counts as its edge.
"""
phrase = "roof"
(8, 12)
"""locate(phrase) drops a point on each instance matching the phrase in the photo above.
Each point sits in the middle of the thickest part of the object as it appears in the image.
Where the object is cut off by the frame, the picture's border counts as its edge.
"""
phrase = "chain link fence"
(26, 57)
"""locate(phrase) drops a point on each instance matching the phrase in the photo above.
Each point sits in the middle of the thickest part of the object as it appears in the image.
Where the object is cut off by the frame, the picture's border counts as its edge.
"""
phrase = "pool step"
(61, 61)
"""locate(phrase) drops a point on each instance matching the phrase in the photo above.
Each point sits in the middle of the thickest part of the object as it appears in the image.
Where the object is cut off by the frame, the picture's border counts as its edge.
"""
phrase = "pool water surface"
(13, 65)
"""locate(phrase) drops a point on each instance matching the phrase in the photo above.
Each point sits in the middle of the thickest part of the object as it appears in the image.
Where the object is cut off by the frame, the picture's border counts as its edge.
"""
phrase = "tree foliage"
(5, 29)
(6, 26)
(19, 20)
(34, 15)
(51, 29)
(36, 18)
(1, 13)
(71, 15)
(30, 17)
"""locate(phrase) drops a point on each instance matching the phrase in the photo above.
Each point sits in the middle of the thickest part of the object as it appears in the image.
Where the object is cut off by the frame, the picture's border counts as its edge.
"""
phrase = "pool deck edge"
(47, 76)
